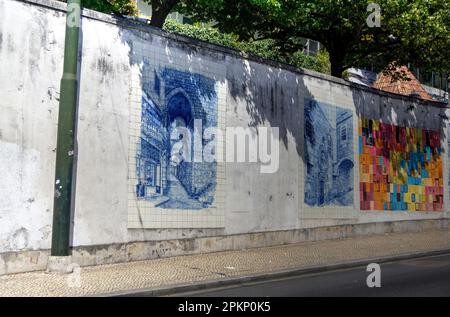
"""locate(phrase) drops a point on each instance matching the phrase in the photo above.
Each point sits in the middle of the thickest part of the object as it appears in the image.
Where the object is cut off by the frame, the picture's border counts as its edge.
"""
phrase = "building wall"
(119, 66)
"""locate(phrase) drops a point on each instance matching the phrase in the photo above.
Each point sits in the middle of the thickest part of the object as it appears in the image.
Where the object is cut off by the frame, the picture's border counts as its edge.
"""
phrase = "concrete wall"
(118, 63)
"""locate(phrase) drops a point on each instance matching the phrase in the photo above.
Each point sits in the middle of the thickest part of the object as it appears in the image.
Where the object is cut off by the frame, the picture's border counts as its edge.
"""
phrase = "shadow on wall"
(172, 98)
(321, 133)
(261, 94)
(265, 95)
(75, 163)
(400, 153)
(271, 96)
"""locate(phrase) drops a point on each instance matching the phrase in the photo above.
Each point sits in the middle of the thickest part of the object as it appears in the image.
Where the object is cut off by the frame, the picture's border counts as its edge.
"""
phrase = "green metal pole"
(66, 134)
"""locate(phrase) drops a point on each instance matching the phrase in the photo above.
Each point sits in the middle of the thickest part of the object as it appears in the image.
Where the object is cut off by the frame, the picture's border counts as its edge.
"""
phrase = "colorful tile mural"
(165, 179)
(328, 155)
(400, 167)
(448, 154)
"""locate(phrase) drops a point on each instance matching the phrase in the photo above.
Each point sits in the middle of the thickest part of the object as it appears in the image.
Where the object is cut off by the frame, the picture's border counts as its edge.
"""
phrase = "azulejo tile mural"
(328, 155)
(400, 167)
(165, 176)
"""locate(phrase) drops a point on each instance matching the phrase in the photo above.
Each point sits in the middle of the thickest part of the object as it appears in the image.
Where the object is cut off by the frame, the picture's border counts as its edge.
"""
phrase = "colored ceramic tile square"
(407, 175)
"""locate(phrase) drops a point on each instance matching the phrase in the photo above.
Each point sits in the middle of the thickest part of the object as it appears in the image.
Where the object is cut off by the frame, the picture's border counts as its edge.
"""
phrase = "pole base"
(59, 265)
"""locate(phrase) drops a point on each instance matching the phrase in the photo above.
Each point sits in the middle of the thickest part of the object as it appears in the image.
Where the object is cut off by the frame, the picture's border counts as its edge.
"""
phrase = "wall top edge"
(142, 26)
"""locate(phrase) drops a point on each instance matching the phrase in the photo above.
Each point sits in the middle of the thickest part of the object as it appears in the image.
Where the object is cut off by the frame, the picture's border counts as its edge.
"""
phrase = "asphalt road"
(428, 276)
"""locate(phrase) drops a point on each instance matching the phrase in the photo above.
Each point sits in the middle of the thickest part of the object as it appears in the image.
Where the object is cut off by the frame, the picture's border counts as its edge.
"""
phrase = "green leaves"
(266, 48)
(119, 7)
(412, 31)
(422, 30)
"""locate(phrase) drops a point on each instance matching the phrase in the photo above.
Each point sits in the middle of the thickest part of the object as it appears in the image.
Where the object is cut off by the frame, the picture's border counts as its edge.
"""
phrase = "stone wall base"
(27, 261)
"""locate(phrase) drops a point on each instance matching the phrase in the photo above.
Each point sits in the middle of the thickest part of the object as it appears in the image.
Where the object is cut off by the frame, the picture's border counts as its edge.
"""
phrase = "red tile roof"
(402, 87)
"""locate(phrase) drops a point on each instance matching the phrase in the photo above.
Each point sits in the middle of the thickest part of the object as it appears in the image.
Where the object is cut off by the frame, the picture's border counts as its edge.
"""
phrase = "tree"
(411, 31)
(266, 48)
(160, 10)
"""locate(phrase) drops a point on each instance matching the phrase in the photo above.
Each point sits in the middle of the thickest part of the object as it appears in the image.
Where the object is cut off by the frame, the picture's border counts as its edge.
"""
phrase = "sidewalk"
(195, 269)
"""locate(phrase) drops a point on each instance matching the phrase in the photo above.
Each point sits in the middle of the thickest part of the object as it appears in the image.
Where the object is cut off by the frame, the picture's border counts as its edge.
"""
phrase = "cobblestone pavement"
(207, 267)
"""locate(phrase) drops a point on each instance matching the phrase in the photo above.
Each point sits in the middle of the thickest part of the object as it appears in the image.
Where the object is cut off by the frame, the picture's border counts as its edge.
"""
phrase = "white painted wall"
(31, 48)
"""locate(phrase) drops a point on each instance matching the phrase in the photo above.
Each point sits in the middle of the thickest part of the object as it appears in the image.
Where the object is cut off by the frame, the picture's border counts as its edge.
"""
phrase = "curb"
(236, 281)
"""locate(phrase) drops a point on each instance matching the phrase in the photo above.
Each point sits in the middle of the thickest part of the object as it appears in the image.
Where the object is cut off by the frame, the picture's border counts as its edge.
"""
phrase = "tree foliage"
(411, 31)
(160, 10)
(119, 7)
(265, 48)
(414, 31)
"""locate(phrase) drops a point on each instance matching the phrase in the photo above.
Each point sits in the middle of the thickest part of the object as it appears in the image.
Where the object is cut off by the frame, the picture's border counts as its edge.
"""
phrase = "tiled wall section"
(166, 173)
(166, 187)
(329, 155)
(400, 167)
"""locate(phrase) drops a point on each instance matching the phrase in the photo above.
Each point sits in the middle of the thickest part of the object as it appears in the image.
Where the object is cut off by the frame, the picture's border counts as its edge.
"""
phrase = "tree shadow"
(259, 92)
(75, 159)
(272, 92)
(272, 96)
